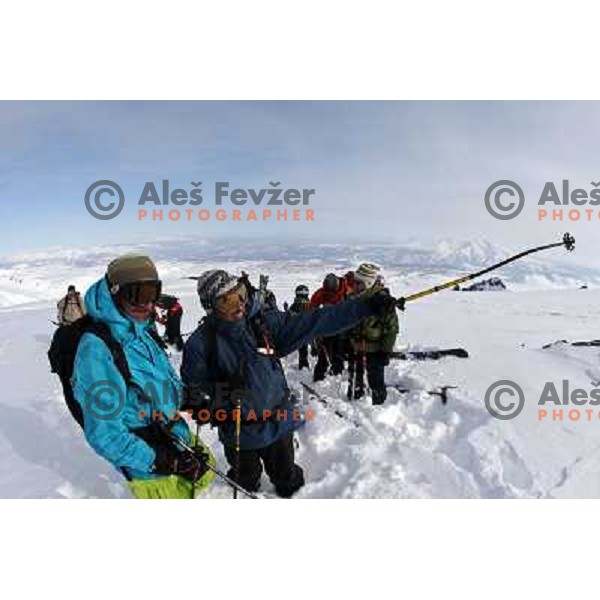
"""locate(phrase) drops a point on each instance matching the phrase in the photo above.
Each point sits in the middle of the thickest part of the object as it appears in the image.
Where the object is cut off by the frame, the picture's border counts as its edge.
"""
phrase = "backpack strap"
(210, 346)
(102, 331)
(79, 303)
(64, 309)
(235, 381)
(262, 333)
(156, 337)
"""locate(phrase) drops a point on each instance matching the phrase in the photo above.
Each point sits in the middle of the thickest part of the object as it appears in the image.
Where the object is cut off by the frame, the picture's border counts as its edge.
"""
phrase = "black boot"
(289, 489)
(379, 396)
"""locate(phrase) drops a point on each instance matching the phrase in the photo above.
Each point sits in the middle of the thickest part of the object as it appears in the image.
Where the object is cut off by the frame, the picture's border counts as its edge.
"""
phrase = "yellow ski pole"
(568, 241)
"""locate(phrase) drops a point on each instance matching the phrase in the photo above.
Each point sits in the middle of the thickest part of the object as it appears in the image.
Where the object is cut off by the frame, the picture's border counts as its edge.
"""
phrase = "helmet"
(331, 283)
(130, 268)
(133, 277)
(301, 291)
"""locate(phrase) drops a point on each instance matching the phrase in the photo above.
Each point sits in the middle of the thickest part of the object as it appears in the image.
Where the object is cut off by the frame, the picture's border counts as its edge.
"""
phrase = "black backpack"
(63, 350)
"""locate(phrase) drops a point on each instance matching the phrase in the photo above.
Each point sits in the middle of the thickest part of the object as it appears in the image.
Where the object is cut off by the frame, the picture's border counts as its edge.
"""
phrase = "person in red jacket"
(169, 313)
(331, 349)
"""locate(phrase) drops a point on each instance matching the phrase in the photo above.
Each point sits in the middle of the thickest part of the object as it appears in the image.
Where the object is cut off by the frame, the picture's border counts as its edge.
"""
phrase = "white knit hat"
(367, 273)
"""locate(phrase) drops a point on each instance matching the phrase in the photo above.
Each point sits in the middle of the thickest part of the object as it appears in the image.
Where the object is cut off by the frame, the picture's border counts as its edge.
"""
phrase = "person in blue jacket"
(121, 421)
(232, 359)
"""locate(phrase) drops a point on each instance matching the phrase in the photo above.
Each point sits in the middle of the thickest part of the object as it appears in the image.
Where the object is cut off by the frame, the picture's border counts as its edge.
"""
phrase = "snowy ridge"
(41, 276)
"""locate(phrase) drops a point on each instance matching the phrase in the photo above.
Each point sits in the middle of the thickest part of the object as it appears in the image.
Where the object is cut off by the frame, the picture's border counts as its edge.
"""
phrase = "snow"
(412, 447)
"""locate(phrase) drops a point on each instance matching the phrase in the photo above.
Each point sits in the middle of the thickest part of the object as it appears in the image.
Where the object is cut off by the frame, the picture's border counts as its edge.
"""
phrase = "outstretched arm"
(293, 331)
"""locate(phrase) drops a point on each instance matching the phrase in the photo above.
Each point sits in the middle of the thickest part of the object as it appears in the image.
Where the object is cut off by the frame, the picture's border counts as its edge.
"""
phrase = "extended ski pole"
(216, 471)
(568, 241)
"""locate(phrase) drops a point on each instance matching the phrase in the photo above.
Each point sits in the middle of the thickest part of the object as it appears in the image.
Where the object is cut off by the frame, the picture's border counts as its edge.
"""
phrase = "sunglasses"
(233, 300)
(140, 293)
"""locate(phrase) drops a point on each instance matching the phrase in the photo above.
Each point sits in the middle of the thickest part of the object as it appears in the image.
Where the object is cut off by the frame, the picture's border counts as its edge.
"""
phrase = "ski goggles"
(141, 293)
(232, 301)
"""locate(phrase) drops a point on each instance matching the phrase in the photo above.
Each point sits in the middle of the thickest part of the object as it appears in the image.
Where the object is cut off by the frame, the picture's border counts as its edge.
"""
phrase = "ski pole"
(238, 430)
(351, 370)
(216, 471)
(568, 241)
(442, 392)
(196, 438)
(326, 404)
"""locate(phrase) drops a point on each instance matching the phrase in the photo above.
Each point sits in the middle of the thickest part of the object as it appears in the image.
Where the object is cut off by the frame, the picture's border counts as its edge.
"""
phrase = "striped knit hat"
(212, 284)
(367, 273)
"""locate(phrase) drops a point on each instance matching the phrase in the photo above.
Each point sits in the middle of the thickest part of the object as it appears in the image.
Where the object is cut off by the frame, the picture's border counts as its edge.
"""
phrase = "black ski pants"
(278, 460)
(374, 363)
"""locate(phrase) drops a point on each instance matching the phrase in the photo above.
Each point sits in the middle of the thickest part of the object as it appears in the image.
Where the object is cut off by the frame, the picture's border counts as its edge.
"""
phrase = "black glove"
(184, 464)
(381, 302)
(202, 456)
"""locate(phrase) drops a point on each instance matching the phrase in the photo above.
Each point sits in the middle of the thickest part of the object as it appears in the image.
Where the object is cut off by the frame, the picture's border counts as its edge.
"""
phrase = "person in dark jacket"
(169, 314)
(301, 305)
(233, 360)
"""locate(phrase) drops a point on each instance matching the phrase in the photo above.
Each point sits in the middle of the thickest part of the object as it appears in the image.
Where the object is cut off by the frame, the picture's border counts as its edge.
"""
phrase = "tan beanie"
(130, 268)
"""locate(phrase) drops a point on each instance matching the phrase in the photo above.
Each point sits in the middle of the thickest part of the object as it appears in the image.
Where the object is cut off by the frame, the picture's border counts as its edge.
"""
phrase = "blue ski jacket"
(111, 409)
(264, 384)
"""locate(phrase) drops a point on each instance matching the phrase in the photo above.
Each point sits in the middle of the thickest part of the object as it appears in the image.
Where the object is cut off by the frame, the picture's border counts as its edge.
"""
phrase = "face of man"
(231, 307)
(359, 286)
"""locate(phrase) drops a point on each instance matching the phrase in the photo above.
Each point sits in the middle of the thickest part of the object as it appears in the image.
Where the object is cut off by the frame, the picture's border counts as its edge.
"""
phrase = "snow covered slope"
(413, 446)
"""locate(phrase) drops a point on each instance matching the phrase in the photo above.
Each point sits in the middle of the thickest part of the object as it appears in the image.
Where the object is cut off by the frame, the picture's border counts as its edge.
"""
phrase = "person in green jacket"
(371, 341)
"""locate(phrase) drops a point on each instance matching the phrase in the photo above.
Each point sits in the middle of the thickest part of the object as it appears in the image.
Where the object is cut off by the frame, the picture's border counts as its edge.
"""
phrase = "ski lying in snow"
(561, 342)
(327, 404)
(441, 391)
(430, 354)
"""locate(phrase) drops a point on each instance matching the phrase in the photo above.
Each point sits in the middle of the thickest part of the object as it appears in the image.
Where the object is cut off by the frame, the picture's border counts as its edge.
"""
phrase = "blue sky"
(383, 171)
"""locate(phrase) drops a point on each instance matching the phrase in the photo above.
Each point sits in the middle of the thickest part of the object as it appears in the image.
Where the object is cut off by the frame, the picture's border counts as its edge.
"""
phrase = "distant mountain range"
(32, 276)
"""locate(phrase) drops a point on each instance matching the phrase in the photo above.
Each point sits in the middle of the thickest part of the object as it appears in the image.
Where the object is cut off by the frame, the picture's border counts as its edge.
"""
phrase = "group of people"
(365, 349)
(231, 371)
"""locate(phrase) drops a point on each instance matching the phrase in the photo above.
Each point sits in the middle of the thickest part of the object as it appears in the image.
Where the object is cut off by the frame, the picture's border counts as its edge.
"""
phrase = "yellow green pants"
(173, 487)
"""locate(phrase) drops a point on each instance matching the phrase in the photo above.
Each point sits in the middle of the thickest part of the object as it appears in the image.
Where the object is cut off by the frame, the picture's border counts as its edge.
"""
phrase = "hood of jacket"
(101, 306)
